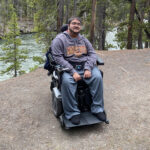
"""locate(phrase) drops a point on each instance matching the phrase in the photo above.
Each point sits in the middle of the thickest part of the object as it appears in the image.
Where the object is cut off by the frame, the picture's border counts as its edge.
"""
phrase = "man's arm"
(58, 55)
(91, 56)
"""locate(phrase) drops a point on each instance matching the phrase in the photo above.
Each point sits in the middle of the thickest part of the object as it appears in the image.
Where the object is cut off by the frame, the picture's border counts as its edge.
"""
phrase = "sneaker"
(101, 116)
(75, 119)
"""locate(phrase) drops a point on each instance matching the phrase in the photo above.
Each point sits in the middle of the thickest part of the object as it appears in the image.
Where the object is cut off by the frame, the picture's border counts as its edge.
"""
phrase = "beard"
(75, 33)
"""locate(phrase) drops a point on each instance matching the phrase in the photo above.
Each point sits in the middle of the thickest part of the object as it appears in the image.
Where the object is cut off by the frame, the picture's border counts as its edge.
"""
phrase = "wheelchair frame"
(87, 118)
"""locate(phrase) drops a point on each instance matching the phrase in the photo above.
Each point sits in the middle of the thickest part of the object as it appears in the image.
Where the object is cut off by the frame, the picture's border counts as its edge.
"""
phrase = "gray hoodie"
(66, 49)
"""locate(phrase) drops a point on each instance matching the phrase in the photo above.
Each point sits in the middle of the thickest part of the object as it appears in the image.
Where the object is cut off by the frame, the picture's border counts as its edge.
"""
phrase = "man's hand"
(76, 76)
(87, 74)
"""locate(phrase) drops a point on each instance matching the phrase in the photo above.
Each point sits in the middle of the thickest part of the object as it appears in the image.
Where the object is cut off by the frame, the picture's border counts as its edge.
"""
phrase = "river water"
(36, 49)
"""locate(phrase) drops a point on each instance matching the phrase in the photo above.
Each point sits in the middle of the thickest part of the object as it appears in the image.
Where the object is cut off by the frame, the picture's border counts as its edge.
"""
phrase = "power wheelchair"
(82, 94)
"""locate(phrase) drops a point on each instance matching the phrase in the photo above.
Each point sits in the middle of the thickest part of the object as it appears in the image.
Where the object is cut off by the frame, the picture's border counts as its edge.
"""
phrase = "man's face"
(75, 26)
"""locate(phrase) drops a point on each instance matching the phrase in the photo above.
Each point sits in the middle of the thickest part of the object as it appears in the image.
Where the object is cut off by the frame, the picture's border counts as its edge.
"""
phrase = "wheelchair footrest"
(86, 118)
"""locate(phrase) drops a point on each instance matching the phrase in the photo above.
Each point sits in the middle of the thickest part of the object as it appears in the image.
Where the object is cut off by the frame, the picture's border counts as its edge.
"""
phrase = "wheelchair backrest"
(49, 63)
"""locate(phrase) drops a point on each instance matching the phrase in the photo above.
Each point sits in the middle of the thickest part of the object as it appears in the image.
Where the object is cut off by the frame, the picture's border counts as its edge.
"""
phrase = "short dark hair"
(73, 18)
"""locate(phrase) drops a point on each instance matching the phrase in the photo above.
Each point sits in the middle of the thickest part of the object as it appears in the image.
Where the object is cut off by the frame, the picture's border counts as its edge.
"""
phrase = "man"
(71, 50)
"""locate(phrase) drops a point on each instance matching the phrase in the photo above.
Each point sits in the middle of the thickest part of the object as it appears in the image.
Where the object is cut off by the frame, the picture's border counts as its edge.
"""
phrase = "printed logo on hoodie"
(76, 50)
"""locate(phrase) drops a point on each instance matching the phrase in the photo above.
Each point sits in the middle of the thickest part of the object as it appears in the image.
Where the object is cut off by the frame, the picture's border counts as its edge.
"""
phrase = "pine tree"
(12, 54)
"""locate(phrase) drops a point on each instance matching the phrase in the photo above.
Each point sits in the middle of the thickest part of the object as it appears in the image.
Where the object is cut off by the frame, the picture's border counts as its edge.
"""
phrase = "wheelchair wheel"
(51, 86)
(56, 106)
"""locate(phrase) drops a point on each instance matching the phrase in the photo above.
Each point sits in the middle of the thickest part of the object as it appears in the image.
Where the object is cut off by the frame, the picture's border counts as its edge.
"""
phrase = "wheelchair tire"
(56, 106)
(52, 86)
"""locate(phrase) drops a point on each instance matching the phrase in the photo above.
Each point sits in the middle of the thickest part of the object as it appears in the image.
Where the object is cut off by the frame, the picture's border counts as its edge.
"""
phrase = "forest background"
(129, 18)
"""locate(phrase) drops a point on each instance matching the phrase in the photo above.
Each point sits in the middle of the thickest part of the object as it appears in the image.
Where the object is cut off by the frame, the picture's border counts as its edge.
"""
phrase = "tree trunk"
(15, 55)
(16, 6)
(60, 14)
(15, 62)
(140, 43)
(149, 19)
(93, 21)
(147, 44)
(67, 10)
(74, 7)
(131, 19)
(101, 13)
(4, 15)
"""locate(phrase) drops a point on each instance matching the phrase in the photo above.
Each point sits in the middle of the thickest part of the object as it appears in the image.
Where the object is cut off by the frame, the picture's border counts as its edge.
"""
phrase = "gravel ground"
(27, 122)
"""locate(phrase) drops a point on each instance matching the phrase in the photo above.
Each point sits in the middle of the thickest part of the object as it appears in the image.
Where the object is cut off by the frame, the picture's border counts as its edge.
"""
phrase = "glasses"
(75, 23)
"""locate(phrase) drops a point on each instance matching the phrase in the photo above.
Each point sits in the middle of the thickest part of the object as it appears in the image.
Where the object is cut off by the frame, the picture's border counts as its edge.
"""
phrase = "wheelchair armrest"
(58, 68)
(99, 61)
(61, 69)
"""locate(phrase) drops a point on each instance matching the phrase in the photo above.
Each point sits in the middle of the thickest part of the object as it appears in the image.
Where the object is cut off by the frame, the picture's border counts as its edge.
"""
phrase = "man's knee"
(67, 79)
(96, 74)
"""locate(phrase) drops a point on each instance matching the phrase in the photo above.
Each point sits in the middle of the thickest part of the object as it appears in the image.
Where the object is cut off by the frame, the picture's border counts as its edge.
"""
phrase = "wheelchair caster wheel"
(56, 106)
(62, 121)
(107, 121)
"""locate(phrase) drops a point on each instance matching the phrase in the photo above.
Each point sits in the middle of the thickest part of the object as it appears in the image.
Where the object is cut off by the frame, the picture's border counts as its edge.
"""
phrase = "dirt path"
(27, 122)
